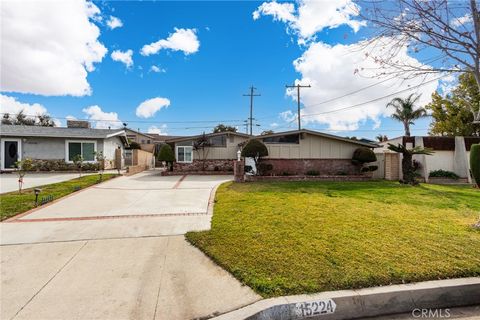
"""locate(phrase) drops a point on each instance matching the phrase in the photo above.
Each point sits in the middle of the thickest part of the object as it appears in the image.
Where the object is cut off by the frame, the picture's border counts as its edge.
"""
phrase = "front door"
(11, 153)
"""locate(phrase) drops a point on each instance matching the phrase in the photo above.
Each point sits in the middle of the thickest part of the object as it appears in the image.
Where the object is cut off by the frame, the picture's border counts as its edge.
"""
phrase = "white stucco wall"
(440, 160)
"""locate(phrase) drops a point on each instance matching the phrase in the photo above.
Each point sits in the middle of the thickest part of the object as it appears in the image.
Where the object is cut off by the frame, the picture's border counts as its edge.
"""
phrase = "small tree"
(23, 167)
(224, 128)
(405, 111)
(78, 163)
(475, 162)
(255, 149)
(202, 147)
(364, 155)
(408, 168)
(101, 163)
(166, 154)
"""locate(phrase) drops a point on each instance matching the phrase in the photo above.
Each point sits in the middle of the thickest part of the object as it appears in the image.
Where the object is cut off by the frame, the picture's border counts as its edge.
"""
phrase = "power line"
(136, 121)
(373, 100)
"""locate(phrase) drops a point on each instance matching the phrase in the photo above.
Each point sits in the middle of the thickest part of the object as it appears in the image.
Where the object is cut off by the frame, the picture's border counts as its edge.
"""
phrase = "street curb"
(368, 302)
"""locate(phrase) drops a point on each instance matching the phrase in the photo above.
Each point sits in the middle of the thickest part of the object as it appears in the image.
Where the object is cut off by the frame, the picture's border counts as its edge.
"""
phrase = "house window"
(184, 154)
(291, 138)
(86, 149)
(218, 141)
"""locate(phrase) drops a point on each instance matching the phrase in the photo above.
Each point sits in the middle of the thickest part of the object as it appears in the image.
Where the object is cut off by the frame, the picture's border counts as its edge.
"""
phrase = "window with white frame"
(86, 149)
(184, 154)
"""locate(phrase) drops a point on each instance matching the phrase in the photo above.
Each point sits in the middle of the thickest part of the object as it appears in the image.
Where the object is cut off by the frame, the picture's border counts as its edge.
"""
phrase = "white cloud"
(101, 119)
(284, 12)
(70, 117)
(48, 47)
(184, 40)
(457, 22)
(157, 69)
(331, 72)
(114, 22)
(149, 107)
(12, 106)
(274, 125)
(124, 57)
(161, 131)
(312, 16)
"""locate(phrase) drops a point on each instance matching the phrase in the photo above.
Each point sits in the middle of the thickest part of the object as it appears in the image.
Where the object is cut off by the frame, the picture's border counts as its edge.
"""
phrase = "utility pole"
(246, 126)
(251, 95)
(298, 86)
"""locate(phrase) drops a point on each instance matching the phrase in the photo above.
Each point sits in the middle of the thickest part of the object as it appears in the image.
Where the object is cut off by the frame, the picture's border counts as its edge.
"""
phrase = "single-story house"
(218, 157)
(300, 151)
(292, 152)
(59, 145)
(450, 154)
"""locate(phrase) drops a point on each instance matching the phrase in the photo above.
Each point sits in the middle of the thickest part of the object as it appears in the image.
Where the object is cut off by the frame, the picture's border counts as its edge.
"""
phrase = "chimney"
(78, 124)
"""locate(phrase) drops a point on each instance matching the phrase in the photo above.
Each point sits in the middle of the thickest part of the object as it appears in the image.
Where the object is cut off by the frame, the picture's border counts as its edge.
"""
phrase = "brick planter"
(442, 180)
(249, 178)
(213, 165)
(325, 167)
(197, 173)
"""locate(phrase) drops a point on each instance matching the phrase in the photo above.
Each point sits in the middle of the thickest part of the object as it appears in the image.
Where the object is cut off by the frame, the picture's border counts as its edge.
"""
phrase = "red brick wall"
(323, 166)
(210, 165)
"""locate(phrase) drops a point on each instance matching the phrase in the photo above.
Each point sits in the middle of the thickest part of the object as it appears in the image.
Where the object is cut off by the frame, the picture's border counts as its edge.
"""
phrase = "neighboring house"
(291, 152)
(450, 154)
(60, 144)
(217, 157)
(300, 151)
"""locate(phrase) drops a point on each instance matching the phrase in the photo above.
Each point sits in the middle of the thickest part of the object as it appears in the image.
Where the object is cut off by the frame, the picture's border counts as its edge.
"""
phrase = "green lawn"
(13, 203)
(301, 237)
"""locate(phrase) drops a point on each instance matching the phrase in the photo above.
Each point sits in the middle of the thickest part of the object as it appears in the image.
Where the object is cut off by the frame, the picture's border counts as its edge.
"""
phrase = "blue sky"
(235, 51)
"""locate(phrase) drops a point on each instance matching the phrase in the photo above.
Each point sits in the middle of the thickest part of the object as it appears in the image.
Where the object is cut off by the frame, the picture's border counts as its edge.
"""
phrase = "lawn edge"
(25, 213)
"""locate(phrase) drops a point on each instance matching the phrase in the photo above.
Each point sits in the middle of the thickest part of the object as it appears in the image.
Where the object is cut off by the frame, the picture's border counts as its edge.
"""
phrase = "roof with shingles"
(58, 132)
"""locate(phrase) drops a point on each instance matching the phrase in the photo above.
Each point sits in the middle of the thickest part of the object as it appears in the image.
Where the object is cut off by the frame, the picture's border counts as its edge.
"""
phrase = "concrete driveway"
(117, 251)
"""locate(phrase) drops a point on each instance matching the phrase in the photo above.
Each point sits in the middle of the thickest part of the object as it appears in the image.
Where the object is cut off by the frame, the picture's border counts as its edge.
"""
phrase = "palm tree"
(405, 112)
(407, 161)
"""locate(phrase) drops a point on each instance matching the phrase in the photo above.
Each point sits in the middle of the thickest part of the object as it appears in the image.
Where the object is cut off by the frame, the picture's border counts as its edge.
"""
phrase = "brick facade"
(249, 178)
(211, 165)
(302, 166)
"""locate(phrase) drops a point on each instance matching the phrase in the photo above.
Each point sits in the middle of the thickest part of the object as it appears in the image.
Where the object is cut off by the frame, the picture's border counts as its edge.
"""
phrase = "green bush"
(369, 169)
(475, 162)
(264, 168)
(254, 149)
(443, 174)
(312, 173)
(134, 145)
(363, 155)
(166, 154)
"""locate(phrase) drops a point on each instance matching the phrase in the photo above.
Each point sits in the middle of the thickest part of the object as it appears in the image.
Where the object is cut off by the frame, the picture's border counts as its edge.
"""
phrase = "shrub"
(263, 168)
(286, 174)
(363, 155)
(369, 169)
(248, 168)
(134, 145)
(475, 162)
(313, 173)
(341, 173)
(255, 149)
(443, 174)
(166, 153)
